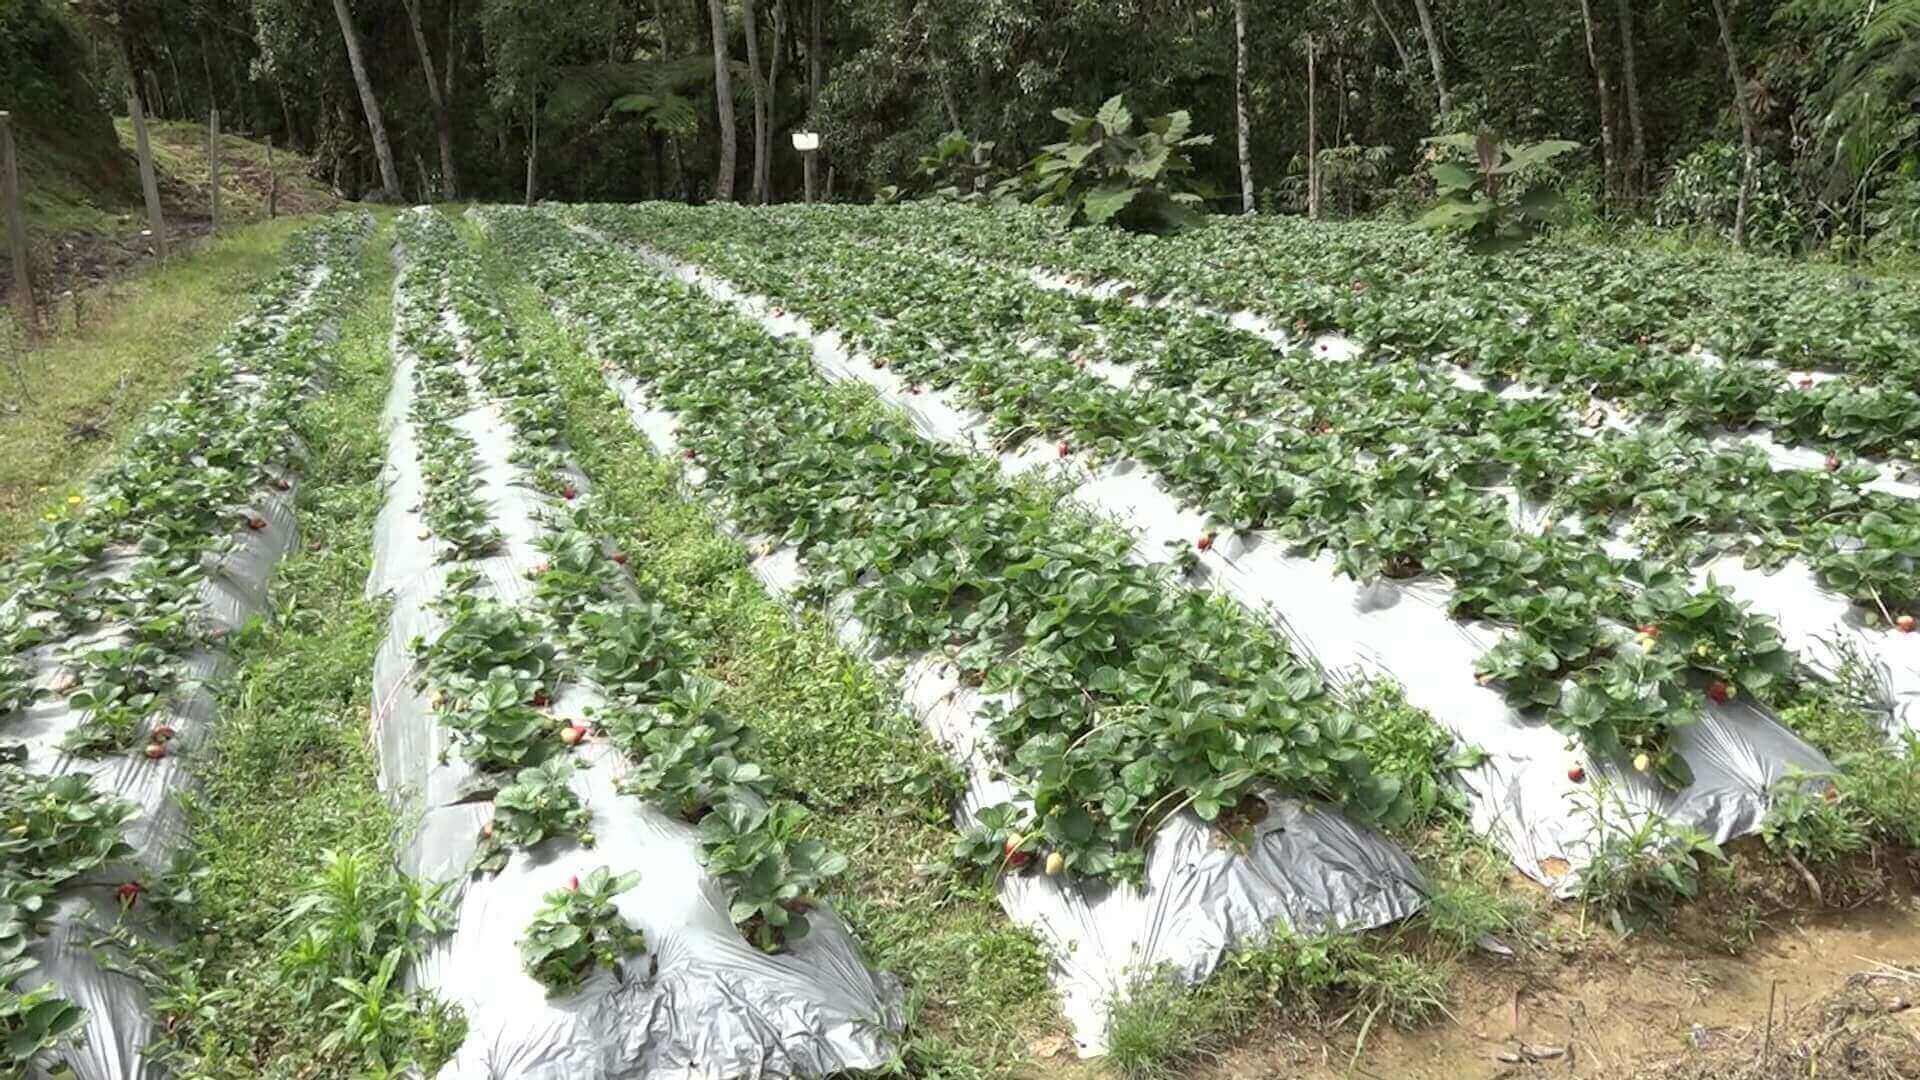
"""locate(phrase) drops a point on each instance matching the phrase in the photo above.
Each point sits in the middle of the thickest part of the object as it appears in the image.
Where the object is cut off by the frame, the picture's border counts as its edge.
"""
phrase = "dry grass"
(1868, 1030)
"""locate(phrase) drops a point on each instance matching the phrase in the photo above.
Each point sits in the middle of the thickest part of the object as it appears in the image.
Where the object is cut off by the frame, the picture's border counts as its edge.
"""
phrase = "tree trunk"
(213, 170)
(1433, 55)
(1313, 133)
(383, 150)
(1746, 123)
(533, 147)
(759, 101)
(1637, 156)
(773, 91)
(815, 67)
(1242, 127)
(442, 108)
(1400, 47)
(1609, 158)
(453, 48)
(149, 183)
(723, 99)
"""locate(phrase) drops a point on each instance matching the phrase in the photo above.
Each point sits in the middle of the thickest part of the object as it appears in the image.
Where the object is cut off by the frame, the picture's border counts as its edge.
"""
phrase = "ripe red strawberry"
(1205, 543)
(1905, 624)
(1718, 692)
(540, 699)
(1806, 382)
(620, 557)
(283, 484)
(128, 893)
(1577, 774)
(1064, 448)
(163, 733)
(568, 492)
(256, 522)
(156, 751)
(1650, 630)
(1833, 463)
(573, 883)
(687, 453)
(1016, 858)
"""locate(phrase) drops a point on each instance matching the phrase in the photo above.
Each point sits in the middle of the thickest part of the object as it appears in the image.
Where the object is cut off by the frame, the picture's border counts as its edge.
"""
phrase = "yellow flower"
(73, 500)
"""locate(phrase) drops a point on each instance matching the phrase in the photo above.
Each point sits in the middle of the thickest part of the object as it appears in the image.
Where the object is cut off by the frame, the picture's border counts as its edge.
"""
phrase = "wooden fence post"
(213, 162)
(16, 226)
(148, 185)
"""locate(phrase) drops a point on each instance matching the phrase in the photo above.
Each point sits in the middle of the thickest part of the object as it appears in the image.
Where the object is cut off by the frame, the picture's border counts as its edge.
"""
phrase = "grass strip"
(289, 810)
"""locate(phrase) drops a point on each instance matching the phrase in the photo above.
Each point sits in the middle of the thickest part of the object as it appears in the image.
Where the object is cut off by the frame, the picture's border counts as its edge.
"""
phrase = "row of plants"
(104, 611)
(1122, 699)
(1393, 499)
(1624, 325)
(1670, 492)
(495, 672)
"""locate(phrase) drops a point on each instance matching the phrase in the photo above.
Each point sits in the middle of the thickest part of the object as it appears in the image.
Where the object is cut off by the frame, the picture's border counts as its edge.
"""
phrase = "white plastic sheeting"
(1305, 865)
(1522, 796)
(1821, 626)
(701, 1001)
(119, 1022)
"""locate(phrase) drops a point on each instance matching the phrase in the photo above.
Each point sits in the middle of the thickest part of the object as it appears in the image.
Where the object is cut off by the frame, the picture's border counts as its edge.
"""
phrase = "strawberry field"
(812, 640)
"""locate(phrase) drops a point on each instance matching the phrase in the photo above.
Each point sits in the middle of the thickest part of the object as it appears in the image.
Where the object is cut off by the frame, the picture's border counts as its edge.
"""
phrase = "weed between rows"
(289, 821)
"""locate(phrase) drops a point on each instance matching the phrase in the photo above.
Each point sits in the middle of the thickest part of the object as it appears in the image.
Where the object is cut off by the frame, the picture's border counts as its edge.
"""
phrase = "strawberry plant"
(55, 828)
(774, 872)
(579, 930)
(540, 803)
(34, 1023)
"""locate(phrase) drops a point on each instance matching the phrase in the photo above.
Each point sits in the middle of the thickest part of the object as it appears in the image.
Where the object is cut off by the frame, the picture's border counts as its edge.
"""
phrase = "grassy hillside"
(72, 172)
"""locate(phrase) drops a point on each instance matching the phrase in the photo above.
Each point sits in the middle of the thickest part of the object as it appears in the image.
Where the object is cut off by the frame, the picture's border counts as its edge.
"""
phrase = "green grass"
(79, 396)
(831, 730)
(289, 775)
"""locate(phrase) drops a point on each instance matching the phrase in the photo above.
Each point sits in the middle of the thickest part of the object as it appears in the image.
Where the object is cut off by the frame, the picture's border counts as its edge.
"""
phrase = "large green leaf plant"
(1108, 172)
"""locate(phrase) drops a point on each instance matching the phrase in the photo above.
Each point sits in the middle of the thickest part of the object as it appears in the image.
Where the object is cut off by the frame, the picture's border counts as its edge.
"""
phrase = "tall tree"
(382, 149)
(1609, 158)
(1433, 54)
(1745, 112)
(1635, 170)
(442, 106)
(723, 98)
(816, 65)
(758, 82)
(772, 83)
(1313, 131)
(1242, 126)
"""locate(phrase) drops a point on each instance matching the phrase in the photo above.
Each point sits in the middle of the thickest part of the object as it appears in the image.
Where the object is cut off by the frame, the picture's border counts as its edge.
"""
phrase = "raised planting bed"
(113, 627)
(1148, 771)
(633, 895)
